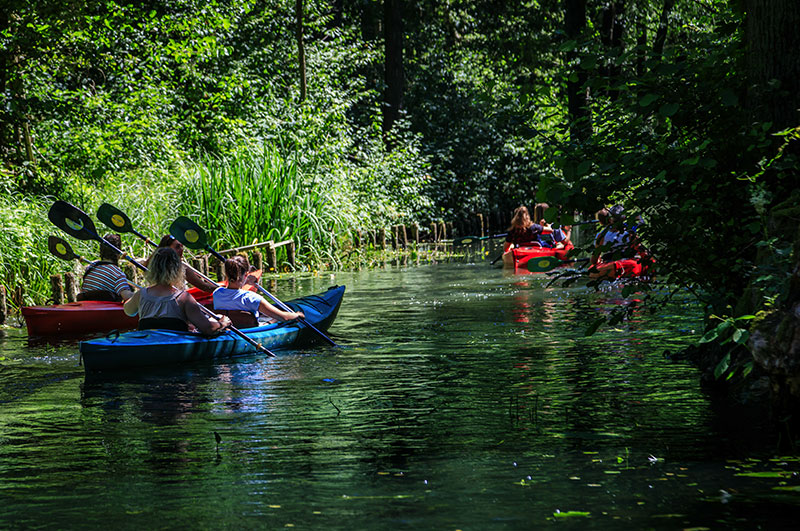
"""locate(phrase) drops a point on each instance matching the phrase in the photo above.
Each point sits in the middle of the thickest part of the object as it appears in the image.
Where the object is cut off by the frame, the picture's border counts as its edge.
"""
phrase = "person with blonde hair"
(164, 304)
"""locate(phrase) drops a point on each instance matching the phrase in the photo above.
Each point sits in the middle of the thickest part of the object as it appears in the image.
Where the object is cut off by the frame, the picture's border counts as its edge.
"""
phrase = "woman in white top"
(164, 304)
(245, 307)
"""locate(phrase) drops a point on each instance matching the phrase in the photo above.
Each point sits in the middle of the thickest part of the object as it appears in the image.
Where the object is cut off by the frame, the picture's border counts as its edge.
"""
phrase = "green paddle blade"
(72, 220)
(114, 218)
(188, 233)
(60, 248)
(466, 240)
(543, 263)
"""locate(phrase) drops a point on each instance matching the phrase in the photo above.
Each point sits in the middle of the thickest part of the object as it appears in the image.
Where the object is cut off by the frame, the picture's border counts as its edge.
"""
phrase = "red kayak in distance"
(517, 258)
(88, 317)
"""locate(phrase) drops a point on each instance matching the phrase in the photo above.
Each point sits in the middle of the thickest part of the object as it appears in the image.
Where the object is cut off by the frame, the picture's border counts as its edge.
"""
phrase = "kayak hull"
(85, 317)
(518, 257)
(144, 348)
(627, 268)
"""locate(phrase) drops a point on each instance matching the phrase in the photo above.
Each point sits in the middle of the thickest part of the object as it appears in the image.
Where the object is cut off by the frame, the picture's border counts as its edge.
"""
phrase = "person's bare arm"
(193, 278)
(266, 308)
(131, 306)
(206, 325)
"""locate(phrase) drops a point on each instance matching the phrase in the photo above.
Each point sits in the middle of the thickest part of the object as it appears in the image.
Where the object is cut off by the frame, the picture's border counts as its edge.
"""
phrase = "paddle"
(465, 240)
(63, 250)
(76, 223)
(547, 263)
(193, 236)
(116, 220)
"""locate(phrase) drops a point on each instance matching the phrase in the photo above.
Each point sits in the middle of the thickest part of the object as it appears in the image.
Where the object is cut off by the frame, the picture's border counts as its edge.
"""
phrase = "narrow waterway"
(461, 398)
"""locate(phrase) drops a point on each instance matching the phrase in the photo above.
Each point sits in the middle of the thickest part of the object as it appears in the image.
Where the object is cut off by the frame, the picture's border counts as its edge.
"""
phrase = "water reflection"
(462, 398)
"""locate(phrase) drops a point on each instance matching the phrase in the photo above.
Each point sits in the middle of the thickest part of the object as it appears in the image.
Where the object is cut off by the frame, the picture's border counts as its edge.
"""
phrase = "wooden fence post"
(481, 226)
(434, 232)
(382, 238)
(218, 270)
(70, 286)
(272, 257)
(3, 305)
(290, 254)
(57, 286)
(357, 239)
(258, 260)
(404, 236)
(395, 243)
(443, 230)
(415, 233)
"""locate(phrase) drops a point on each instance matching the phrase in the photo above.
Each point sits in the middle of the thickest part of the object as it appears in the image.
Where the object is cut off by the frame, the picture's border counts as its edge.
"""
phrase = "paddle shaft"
(205, 310)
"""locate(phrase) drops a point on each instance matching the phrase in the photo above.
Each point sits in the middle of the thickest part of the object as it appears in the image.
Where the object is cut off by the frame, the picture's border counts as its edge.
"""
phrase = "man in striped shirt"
(104, 280)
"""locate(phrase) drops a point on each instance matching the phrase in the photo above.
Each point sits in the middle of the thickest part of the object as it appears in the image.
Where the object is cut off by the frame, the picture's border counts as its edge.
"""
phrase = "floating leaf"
(770, 474)
(571, 514)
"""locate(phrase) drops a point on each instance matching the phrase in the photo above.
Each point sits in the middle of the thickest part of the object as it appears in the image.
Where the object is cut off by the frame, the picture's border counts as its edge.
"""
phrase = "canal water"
(460, 398)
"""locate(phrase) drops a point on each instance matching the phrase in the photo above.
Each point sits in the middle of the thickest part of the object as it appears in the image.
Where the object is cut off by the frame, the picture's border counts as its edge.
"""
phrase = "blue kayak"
(161, 347)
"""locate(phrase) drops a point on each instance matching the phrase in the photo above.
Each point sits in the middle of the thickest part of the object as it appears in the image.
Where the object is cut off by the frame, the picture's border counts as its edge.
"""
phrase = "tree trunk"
(641, 47)
(772, 36)
(393, 64)
(577, 90)
(661, 33)
(611, 36)
(301, 51)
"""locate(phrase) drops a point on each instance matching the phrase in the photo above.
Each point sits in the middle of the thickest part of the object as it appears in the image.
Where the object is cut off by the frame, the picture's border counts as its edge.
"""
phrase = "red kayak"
(518, 257)
(627, 268)
(87, 317)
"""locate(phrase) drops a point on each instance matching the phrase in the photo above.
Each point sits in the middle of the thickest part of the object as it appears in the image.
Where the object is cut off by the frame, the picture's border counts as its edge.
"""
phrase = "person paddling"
(103, 280)
(617, 250)
(190, 275)
(165, 304)
(523, 231)
(245, 308)
(556, 238)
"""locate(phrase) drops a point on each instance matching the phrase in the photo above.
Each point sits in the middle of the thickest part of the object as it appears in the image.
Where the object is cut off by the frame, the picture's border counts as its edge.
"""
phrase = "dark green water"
(462, 399)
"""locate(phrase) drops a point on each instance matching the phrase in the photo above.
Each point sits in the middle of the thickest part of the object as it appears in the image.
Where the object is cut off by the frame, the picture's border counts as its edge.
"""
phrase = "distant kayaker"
(555, 238)
(165, 304)
(104, 280)
(523, 231)
(617, 249)
(246, 308)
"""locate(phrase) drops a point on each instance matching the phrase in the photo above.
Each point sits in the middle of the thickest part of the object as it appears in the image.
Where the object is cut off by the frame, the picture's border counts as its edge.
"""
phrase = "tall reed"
(255, 196)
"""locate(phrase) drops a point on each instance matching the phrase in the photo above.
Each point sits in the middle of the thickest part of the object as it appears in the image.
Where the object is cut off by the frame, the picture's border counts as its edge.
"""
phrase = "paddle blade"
(60, 248)
(543, 263)
(72, 220)
(188, 233)
(466, 240)
(114, 218)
